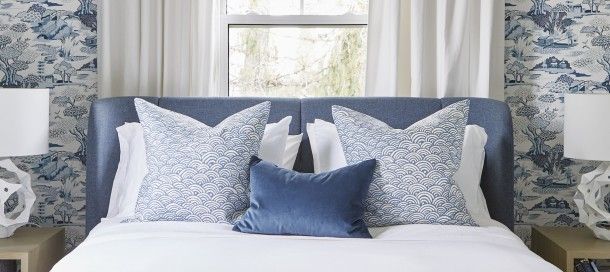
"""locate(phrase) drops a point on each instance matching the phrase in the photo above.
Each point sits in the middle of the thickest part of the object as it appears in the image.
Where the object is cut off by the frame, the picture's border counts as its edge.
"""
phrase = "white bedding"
(182, 246)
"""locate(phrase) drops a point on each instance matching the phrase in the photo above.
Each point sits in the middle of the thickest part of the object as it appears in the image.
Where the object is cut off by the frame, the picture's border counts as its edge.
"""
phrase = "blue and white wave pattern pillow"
(197, 173)
(413, 180)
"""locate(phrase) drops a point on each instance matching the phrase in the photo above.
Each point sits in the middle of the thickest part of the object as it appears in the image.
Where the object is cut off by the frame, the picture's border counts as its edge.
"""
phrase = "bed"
(188, 246)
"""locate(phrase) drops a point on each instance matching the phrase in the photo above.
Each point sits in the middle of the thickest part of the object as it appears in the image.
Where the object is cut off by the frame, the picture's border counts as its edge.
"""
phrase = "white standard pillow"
(276, 146)
(325, 146)
(328, 155)
(131, 171)
(293, 142)
(274, 141)
(468, 176)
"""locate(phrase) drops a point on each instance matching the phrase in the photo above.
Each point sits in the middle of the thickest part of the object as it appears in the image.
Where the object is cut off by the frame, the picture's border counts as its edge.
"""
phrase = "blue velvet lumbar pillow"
(285, 202)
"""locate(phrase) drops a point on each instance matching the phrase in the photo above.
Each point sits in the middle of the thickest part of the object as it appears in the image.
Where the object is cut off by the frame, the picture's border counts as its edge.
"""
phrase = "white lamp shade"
(587, 127)
(24, 122)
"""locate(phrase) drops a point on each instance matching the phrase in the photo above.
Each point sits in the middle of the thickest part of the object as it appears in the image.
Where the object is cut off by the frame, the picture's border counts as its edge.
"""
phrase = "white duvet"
(181, 246)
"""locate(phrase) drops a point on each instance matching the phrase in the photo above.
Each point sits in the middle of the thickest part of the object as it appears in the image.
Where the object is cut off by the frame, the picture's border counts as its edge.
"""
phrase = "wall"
(52, 44)
(552, 48)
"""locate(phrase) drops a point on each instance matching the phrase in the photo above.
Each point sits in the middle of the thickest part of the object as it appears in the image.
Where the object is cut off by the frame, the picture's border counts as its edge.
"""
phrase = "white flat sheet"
(181, 246)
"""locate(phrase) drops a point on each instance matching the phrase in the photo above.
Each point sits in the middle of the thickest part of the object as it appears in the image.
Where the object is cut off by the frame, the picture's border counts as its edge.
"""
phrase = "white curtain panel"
(456, 48)
(158, 48)
(388, 48)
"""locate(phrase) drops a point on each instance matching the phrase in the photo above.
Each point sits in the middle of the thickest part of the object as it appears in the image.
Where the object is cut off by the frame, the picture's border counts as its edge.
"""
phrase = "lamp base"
(21, 198)
(592, 199)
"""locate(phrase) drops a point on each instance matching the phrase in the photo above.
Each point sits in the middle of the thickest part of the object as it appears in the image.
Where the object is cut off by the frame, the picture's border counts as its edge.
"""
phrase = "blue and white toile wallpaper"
(553, 47)
(52, 44)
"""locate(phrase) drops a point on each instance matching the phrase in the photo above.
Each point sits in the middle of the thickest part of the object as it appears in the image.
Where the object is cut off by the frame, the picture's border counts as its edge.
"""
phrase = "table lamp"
(24, 131)
(587, 137)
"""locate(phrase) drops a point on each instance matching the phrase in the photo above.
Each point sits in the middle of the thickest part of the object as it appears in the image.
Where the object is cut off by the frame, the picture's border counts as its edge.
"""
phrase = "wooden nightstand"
(38, 249)
(562, 245)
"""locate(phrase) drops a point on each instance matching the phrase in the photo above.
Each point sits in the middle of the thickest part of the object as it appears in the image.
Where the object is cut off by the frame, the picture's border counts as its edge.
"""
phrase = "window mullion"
(297, 19)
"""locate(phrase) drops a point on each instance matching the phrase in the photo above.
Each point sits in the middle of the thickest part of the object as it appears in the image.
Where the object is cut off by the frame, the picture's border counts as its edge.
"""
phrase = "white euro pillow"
(328, 155)
(276, 146)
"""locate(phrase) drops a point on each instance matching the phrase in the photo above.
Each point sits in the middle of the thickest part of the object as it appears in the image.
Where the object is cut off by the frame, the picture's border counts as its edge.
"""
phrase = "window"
(294, 48)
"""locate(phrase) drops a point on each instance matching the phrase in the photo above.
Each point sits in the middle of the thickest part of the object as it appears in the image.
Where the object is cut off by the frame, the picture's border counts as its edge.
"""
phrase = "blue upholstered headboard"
(494, 116)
